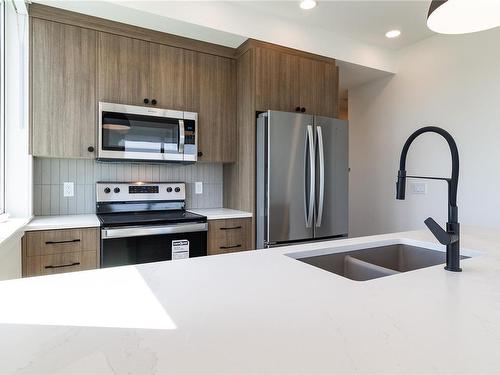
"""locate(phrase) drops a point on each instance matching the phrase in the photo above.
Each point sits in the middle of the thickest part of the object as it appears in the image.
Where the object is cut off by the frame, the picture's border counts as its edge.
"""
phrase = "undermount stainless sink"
(375, 262)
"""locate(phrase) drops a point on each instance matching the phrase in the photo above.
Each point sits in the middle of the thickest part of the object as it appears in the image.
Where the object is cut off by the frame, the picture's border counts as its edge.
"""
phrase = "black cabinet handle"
(153, 102)
(146, 101)
(63, 265)
(297, 109)
(302, 110)
(90, 149)
(64, 241)
(230, 247)
(228, 228)
(200, 154)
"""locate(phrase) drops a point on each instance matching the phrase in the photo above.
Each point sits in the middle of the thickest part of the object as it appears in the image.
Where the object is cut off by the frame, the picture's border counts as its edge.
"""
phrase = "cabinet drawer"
(61, 241)
(59, 263)
(227, 236)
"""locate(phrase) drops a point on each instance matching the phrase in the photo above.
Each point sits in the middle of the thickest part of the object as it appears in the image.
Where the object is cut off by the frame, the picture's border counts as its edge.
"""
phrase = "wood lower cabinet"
(57, 251)
(229, 235)
(63, 106)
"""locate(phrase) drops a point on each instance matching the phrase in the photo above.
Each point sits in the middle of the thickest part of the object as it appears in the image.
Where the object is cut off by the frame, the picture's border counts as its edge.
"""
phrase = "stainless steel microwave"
(128, 132)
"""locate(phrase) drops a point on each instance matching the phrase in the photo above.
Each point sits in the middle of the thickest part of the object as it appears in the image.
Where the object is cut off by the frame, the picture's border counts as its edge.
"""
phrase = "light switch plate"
(198, 187)
(69, 189)
(418, 188)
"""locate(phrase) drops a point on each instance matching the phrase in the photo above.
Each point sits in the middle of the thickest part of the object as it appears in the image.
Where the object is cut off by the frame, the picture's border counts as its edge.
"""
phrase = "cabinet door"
(124, 74)
(63, 90)
(168, 76)
(217, 108)
(318, 87)
(277, 80)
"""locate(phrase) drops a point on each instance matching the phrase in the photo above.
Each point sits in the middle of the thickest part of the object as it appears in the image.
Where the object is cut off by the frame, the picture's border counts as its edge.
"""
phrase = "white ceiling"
(365, 21)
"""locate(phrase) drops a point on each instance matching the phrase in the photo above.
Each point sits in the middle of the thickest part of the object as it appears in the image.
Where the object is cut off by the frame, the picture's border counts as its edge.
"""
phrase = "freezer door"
(290, 177)
(331, 208)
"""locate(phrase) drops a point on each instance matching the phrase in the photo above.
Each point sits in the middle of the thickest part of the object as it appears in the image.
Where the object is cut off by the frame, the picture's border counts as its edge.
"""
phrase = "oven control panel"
(140, 191)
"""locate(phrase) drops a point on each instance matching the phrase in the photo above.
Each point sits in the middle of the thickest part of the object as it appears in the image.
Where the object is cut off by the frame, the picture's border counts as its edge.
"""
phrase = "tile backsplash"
(50, 174)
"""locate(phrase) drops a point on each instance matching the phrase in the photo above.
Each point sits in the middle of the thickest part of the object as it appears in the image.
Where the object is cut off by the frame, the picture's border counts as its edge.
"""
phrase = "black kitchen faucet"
(450, 237)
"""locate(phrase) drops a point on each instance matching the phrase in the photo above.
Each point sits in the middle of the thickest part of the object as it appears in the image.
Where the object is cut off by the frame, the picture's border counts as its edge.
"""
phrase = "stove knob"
(116, 190)
(107, 190)
(177, 189)
(169, 189)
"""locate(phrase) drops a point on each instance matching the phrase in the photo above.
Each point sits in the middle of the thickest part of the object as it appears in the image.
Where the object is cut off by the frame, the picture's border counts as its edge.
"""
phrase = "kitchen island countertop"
(259, 312)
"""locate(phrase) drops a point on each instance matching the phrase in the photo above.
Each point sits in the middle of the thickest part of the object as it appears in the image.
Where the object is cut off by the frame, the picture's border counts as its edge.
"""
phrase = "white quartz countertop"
(259, 312)
(221, 213)
(62, 222)
(91, 220)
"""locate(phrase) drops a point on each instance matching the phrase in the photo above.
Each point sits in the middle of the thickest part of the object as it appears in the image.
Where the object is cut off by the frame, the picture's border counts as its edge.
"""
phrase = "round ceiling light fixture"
(307, 4)
(392, 34)
(463, 16)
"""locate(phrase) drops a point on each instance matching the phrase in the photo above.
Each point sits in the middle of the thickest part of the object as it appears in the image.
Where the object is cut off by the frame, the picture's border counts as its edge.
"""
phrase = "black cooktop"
(149, 218)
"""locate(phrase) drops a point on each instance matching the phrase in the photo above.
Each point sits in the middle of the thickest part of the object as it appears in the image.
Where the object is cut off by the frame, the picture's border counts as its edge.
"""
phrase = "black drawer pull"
(63, 265)
(228, 228)
(64, 241)
(230, 247)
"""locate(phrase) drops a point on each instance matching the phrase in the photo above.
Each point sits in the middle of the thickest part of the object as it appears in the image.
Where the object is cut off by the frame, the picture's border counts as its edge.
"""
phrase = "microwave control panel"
(189, 132)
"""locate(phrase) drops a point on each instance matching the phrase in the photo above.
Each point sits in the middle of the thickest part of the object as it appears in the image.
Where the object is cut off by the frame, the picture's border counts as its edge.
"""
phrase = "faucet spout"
(450, 237)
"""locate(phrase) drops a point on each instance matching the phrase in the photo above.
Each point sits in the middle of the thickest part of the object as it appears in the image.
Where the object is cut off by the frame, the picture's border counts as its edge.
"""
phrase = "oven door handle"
(152, 230)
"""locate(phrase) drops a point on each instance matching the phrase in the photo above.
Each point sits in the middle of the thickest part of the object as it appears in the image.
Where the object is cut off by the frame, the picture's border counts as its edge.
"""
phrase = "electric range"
(145, 222)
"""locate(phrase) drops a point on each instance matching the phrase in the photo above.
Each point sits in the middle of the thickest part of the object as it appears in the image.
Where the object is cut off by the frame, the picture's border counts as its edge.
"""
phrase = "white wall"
(447, 81)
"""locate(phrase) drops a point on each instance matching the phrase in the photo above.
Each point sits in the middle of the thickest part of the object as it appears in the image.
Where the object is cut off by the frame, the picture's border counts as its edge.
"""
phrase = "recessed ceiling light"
(462, 16)
(393, 34)
(307, 4)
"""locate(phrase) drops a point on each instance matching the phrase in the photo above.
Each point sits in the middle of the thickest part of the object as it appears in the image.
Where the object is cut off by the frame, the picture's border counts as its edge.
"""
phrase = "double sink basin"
(374, 262)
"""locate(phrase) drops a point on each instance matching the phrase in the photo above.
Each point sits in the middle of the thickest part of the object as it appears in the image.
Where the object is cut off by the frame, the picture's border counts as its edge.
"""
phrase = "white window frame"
(2, 106)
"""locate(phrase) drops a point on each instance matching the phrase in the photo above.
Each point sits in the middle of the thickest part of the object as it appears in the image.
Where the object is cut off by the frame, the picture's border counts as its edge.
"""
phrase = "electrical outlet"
(199, 187)
(419, 188)
(69, 189)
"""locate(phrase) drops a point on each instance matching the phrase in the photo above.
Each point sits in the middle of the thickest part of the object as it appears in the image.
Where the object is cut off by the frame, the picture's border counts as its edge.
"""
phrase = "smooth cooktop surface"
(149, 218)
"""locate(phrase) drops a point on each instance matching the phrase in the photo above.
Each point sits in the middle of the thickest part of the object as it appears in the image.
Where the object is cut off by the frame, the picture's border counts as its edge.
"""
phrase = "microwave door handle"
(182, 136)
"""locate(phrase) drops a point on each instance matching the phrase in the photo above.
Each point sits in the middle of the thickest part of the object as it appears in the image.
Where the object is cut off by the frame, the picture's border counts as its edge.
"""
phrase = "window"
(2, 106)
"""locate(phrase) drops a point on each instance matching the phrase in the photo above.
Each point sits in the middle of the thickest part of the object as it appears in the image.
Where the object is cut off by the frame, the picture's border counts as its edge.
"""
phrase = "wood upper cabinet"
(277, 84)
(168, 76)
(217, 108)
(318, 87)
(63, 70)
(285, 81)
(124, 70)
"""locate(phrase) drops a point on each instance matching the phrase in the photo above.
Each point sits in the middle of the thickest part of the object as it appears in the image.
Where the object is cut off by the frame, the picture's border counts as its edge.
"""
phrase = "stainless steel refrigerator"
(302, 178)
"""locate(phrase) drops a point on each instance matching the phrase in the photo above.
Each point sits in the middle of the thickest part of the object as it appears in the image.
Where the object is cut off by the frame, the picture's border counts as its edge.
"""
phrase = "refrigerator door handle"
(309, 208)
(321, 153)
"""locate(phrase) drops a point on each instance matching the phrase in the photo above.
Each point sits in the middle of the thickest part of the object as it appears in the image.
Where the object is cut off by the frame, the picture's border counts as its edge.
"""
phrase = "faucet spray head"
(401, 185)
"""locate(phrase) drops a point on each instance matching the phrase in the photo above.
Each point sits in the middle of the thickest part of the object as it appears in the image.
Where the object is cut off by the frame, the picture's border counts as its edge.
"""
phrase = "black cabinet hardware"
(63, 241)
(302, 110)
(229, 228)
(90, 149)
(297, 109)
(146, 100)
(230, 247)
(200, 154)
(63, 265)
(153, 102)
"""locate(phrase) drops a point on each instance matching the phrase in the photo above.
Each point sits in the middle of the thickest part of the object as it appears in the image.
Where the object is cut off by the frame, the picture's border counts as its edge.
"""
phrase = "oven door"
(143, 244)
(140, 133)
